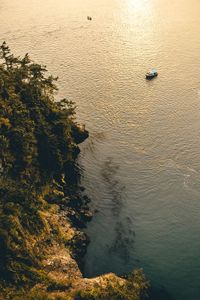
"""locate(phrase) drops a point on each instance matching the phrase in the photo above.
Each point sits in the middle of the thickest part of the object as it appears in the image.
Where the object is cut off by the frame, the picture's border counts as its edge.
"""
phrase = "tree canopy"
(35, 130)
(39, 174)
(38, 144)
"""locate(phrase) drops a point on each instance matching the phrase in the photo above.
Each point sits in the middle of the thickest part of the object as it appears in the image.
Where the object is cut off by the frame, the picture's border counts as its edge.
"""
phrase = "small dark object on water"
(153, 73)
(89, 18)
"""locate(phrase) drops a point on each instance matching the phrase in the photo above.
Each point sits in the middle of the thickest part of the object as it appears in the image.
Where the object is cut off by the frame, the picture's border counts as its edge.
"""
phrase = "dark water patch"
(113, 185)
(123, 241)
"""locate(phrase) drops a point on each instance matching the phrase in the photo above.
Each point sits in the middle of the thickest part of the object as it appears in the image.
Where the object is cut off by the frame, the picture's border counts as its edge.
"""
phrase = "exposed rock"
(80, 134)
(61, 266)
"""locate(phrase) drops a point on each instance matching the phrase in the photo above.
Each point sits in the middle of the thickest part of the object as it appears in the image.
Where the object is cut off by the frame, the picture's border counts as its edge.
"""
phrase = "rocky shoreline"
(65, 265)
(61, 249)
(43, 208)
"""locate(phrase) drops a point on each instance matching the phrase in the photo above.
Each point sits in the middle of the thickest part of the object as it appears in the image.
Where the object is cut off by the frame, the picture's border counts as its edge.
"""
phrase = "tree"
(37, 147)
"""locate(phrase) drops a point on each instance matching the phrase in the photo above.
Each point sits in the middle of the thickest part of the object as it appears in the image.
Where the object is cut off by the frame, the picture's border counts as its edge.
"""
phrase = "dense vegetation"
(38, 138)
(39, 176)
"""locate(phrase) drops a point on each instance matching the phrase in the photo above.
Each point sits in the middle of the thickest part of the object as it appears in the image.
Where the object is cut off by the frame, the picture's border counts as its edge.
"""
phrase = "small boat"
(89, 18)
(153, 73)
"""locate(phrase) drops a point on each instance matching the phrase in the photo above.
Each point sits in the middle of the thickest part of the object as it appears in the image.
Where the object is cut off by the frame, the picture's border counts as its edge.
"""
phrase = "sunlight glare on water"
(140, 7)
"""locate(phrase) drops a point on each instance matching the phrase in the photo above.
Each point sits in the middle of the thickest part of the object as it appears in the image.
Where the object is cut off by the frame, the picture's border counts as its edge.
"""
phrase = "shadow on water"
(123, 234)
(115, 188)
(123, 241)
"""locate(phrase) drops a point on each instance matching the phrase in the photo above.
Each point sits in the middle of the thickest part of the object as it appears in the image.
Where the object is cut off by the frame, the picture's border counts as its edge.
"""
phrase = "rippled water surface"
(141, 163)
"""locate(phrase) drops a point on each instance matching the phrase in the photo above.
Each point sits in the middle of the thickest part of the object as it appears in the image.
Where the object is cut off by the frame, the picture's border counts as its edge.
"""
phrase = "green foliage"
(35, 131)
(39, 141)
(37, 146)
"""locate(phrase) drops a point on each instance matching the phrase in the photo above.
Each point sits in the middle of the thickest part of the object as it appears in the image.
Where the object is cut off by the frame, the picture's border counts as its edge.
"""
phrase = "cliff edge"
(43, 207)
